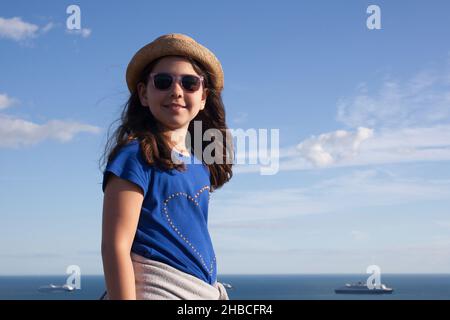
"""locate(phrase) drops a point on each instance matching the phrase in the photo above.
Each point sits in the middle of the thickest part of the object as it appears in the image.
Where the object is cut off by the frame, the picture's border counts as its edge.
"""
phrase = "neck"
(176, 138)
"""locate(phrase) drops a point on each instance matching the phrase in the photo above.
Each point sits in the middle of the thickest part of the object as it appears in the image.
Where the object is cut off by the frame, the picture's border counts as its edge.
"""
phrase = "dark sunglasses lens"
(163, 81)
(190, 83)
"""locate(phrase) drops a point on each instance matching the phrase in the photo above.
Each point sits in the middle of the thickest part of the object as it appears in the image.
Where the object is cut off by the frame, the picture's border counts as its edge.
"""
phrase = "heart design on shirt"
(180, 222)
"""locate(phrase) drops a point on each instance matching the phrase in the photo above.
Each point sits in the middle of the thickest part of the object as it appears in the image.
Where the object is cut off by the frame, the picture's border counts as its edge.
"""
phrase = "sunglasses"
(164, 81)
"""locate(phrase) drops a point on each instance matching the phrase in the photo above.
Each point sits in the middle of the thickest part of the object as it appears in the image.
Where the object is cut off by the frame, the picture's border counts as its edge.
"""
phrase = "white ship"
(361, 288)
(57, 288)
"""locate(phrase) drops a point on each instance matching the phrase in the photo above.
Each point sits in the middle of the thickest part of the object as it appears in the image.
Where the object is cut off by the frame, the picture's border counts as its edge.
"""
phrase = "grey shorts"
(159, 281)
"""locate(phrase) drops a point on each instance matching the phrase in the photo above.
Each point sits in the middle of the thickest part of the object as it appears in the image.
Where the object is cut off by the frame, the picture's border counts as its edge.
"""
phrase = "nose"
(177, 90)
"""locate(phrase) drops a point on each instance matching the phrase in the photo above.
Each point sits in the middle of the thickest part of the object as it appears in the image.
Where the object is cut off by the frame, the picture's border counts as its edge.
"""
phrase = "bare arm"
(122, 204)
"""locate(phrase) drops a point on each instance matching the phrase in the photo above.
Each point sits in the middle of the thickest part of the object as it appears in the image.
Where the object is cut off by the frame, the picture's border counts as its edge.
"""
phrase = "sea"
(249, 287)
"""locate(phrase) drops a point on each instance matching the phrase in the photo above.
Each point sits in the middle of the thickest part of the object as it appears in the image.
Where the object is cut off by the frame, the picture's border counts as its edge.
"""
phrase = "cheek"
(196, 99)
(155, 98)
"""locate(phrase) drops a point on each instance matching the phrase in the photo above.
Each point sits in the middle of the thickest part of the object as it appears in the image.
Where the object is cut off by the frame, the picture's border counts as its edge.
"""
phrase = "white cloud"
(15, 132)
(348, 149)
(84, 32)
(385, 146)
(48, 27)
(329, 148)
(346, 192)
(423, 100)
(6, 101)
(406, 121)
(17, 29)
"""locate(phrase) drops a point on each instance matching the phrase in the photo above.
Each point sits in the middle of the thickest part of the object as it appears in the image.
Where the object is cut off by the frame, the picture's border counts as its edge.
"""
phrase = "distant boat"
(56, 288)
(227, 285)
(361, 288)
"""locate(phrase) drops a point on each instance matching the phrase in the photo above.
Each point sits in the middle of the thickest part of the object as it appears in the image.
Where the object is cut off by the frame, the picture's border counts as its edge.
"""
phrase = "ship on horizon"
(362, 288)
(56, 288)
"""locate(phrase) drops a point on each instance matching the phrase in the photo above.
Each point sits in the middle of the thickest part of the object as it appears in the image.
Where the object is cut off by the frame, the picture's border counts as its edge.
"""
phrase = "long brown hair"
(137, 122)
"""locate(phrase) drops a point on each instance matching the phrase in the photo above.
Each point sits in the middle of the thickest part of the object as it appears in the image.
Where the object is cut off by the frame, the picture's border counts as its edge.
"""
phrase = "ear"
(142, 92)
(204, 96)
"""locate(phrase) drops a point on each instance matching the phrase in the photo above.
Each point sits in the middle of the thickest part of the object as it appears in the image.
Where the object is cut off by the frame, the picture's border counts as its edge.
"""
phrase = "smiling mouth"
(174, 106)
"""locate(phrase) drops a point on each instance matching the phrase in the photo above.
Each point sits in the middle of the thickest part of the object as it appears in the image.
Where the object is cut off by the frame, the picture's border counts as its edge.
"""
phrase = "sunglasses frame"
(178, 78)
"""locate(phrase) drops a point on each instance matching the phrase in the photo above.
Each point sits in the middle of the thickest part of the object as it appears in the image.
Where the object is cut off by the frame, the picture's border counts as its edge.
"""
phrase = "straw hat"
(174, 44)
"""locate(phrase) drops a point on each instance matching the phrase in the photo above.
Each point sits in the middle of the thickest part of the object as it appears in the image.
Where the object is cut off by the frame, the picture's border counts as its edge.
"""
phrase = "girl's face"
(157, 101)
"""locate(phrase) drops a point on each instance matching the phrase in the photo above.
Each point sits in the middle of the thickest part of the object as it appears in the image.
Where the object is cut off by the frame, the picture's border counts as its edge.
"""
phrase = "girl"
(155, 240)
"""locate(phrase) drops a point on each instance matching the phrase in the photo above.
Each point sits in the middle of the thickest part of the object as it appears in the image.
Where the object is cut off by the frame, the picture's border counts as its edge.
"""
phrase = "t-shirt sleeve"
(128, 164)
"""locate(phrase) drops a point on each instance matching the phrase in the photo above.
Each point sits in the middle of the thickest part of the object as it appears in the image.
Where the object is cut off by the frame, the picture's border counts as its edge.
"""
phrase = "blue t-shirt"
(173, 221)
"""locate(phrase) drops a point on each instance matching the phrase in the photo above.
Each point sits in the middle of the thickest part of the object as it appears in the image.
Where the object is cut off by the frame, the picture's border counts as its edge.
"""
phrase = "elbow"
(108, 249)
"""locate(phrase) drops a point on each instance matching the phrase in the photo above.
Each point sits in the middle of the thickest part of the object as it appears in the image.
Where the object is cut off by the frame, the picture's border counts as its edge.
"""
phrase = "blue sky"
(363, 117)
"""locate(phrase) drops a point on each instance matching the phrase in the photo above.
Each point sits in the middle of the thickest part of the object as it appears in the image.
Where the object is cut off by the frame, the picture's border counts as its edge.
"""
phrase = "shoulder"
(132, 146)
(129, 156)
(129, 164)
(129, 151)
